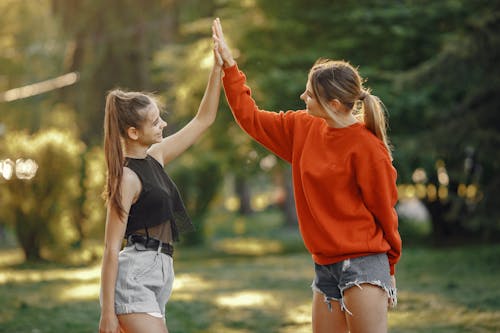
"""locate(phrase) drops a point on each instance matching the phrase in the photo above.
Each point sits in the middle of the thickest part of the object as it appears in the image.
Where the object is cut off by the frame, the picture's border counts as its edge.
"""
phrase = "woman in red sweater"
(344, 186)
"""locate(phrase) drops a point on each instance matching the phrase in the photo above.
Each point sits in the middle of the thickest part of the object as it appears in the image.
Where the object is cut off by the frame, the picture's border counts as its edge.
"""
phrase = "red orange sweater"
(344, 181)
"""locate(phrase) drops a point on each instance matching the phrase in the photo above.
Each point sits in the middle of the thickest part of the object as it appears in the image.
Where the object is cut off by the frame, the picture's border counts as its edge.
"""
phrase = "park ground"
(257, 282)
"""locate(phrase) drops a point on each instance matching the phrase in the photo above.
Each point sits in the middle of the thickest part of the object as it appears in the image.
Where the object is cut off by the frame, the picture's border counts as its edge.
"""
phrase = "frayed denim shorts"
(144, 281)
(332, 280)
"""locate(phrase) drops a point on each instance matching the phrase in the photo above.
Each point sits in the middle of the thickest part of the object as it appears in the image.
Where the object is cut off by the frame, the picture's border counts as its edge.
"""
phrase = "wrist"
(229, 63)
(108, 311)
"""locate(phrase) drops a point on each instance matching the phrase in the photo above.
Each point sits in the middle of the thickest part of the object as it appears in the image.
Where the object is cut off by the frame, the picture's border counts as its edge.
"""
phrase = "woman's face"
(152, 129)
(313, 106)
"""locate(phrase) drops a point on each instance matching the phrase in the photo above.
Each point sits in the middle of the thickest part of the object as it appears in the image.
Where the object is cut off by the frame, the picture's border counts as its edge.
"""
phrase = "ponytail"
(374, 117)
(123, 110)
(113, 151)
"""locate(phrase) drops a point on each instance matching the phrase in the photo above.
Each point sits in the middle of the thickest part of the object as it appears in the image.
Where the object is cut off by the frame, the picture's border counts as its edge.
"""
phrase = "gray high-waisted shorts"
(144, 282)
(332, 280)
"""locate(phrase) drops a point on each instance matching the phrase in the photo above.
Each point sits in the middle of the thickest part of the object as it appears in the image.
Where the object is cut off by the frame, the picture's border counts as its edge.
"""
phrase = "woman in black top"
(144, 206)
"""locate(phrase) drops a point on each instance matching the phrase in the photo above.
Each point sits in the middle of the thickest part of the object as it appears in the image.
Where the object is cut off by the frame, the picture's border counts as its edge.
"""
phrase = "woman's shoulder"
(369, 145)
(299, 115)
(130, 179)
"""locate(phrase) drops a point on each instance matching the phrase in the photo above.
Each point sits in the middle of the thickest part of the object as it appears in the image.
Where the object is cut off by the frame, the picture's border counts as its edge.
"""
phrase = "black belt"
(151, 244)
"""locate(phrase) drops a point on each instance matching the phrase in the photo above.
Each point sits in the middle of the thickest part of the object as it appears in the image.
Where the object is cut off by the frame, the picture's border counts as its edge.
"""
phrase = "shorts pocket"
(146, 261)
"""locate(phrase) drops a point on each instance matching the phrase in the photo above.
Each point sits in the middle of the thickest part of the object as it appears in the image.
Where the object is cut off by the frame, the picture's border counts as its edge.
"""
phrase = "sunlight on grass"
(187, 286)
(298, 319)
(11, 257)
(246, 299)
(418, 310)
(249, 246)
(78, 292)
(37, 275)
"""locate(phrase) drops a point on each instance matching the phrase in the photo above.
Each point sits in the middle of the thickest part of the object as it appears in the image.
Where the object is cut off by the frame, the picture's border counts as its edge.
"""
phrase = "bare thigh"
(141, 322)
(368, 306)
(324, 320)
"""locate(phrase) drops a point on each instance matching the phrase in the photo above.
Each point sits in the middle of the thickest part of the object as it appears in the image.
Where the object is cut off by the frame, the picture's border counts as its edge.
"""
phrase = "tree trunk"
(29, 240)
(289, 209)
(242, 190)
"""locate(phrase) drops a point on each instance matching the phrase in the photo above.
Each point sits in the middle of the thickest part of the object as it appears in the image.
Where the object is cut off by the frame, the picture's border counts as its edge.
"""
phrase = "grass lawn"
(232, 285)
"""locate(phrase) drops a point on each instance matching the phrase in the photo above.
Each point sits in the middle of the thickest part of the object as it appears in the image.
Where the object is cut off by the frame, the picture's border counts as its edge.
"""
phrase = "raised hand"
(217, 57)
(223, 49)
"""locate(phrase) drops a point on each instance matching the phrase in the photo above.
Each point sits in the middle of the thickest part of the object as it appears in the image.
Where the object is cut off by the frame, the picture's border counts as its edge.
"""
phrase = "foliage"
(433, 63)
(94, 210)
(458, 118)
(111, 44)
(198, 177)
(31, 50)
(42, 209)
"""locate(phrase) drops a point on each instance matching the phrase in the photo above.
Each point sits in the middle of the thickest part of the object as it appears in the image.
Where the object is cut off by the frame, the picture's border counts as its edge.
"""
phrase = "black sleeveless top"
(159, 201)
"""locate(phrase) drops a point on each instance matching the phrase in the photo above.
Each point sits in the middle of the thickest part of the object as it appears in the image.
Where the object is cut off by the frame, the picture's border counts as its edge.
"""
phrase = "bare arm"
(115, 231)
(175, 144)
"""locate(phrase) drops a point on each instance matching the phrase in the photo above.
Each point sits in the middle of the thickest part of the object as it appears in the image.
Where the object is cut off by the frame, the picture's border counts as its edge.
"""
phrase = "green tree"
(454, 98)
(111, 44)
(30, 51)
(41, 209)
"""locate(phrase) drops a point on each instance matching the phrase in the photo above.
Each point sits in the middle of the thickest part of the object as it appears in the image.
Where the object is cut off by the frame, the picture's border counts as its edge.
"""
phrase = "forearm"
(109, 273)
(210, 102)
(273, 130)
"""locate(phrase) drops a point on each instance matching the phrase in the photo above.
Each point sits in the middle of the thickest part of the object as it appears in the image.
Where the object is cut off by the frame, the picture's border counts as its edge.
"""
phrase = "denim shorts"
(332, 280)
(144, 281)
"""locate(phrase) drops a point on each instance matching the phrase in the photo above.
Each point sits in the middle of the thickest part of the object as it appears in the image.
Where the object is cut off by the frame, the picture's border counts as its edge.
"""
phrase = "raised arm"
(175, 144)
(271, 129)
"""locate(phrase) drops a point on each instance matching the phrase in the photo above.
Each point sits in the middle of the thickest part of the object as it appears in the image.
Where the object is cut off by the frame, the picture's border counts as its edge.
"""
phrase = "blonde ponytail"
(374, 117)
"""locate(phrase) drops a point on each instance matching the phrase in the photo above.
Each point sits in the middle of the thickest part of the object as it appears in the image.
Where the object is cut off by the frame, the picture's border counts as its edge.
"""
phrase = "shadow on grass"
(440, 290)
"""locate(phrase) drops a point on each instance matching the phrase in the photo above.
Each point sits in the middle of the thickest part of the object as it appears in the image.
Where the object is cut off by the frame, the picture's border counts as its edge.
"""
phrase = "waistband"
(152, 244)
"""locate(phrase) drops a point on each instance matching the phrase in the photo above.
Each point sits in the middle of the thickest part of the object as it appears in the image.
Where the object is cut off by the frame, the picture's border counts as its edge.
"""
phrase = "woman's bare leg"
(142, 322)
(368, 308)
(324, 320)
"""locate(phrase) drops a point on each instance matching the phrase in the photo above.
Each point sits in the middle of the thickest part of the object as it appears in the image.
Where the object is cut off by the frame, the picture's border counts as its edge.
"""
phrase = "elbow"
(205, 122)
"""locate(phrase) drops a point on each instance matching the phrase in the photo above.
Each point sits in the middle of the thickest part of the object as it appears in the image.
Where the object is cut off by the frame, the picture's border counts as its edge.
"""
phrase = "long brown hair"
(333, 79)
(123, 110)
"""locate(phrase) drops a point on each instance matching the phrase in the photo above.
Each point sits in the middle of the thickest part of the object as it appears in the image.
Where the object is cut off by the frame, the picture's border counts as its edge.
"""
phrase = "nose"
(164, 124)
(302, 96)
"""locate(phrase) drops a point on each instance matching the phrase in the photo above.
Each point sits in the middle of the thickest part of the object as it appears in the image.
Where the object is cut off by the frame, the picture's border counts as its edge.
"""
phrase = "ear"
(335, 104)
(133, 133)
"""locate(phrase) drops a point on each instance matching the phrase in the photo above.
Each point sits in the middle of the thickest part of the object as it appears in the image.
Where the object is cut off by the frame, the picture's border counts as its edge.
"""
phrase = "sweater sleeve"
(271, 129)
(376, 178)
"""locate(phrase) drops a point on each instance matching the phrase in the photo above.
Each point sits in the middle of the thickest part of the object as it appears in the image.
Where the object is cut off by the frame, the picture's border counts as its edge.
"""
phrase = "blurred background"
(433, 63)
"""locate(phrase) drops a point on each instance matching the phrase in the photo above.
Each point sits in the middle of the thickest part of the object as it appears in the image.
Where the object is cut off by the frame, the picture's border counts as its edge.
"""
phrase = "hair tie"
(363, 95)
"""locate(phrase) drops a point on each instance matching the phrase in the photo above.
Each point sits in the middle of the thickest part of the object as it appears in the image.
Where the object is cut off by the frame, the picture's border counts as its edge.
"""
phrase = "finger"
(217, 54)
(219, 29)
(214, 27)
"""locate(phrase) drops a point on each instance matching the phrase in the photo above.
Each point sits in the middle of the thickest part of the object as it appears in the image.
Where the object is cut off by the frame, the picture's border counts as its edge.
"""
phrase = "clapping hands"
(221, 50)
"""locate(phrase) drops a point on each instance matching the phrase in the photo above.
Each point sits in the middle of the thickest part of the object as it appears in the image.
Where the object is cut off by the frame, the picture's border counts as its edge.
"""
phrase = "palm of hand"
(218, 37)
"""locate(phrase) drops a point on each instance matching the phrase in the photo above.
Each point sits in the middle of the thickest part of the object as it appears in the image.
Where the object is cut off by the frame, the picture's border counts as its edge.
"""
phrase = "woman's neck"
(135, 151)
(346, 121)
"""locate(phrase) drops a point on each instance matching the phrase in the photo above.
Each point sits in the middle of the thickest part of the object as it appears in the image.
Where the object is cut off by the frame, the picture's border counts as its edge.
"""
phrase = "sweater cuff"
(392, 268)
(232, 71)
